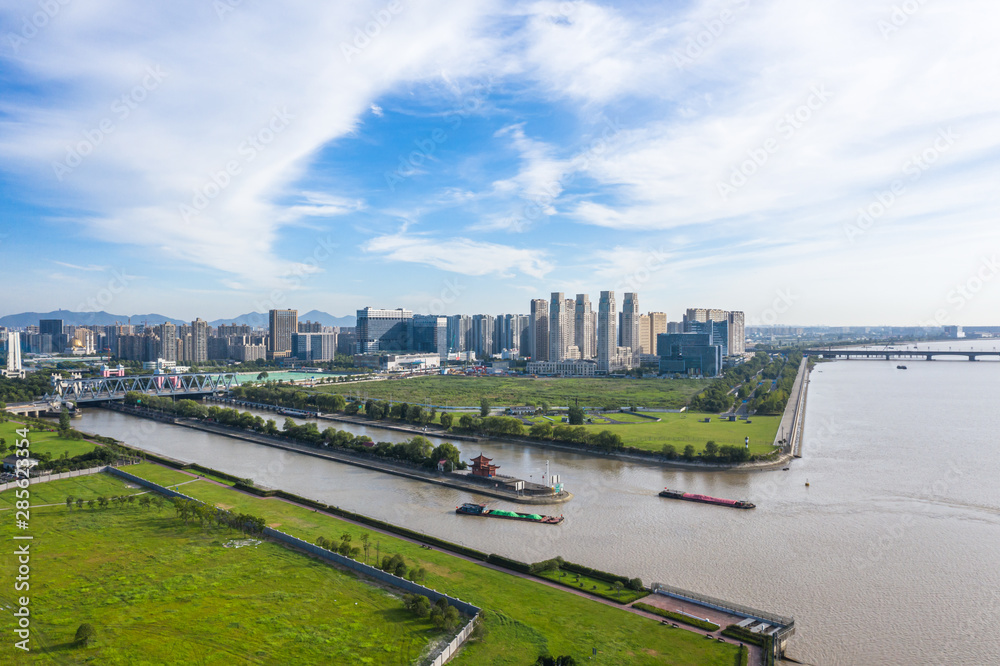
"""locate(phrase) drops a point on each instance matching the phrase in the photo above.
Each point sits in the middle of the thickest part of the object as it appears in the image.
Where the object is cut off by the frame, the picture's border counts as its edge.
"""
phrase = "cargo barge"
(706, 499)
(470, 509)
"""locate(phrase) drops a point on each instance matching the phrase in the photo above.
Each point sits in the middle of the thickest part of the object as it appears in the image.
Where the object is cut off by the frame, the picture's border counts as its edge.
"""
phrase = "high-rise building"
(384, 330)
(630, 322)
(562, 322)
(645, 326)
(281, 325)
(737, 334)
(512, 333)
(538, 326)
(310, 327)
(53, 328)
(14, 367)
(459, 333)
(199, 340)
(607, 335)
(483, 331)
(430, 334)
(314, 346)
(704, 314)
(585, 332)
(657, 325)
(168, 341)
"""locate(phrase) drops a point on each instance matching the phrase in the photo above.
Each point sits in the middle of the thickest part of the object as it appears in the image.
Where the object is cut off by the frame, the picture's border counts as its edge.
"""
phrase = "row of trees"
(726, 453)
(443, 615)
(145, 501)
(207, 515)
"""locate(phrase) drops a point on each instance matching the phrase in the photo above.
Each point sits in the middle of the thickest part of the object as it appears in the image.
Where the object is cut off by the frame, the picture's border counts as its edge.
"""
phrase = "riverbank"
(438, 478)
(789, 435)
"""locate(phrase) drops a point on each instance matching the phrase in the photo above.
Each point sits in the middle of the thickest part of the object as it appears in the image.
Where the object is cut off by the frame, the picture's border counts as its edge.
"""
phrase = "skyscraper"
(199, 341)
(585, 332)
(644, 328)
(657, 325)
(483, 330)
(630, 322)
(607, 335)
(282, 323)
(538, 326)
(384, 330)
(14, 367)
(168, 341)
(737, 333)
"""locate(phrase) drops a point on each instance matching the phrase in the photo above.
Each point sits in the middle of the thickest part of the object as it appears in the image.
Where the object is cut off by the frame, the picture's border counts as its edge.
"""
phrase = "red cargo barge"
(706, 499)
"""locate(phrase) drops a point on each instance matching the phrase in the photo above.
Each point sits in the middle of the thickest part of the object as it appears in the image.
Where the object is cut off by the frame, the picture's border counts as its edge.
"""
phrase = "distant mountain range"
(102, 318)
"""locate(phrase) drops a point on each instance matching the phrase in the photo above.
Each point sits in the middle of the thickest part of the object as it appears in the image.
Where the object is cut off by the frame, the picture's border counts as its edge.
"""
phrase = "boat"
(470, 509)
(901, 367)
(706, 499)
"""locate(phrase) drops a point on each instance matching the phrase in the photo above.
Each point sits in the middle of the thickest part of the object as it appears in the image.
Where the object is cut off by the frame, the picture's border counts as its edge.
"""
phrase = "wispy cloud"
(460, 255)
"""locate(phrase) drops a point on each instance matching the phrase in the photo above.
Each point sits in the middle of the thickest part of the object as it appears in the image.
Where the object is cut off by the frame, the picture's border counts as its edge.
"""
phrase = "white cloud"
(377, 110)
(460, 255)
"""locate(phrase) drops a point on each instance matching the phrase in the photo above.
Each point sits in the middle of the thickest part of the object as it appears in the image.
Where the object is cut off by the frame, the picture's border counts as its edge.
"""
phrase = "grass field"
(458, 390)
(523, 617)
(87, 487)
(158, 474)
(44, 441)
(683, 429)
(159, 591)
(593, 586)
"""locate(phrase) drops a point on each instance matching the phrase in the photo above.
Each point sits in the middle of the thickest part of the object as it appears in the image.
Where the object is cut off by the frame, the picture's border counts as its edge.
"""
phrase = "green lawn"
(159, 591)
(87, 487)
(593, 586)
(43, 441)
(523, 618)
(689, 428)
(164, 476)
(457, 390)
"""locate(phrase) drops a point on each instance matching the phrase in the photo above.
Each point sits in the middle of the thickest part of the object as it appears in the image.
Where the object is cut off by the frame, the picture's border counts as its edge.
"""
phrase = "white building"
(565, 368)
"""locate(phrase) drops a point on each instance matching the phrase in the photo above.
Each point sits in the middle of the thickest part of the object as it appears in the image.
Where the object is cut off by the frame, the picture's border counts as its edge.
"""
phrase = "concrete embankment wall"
(793, 418)
(347, 459)
(359, 567)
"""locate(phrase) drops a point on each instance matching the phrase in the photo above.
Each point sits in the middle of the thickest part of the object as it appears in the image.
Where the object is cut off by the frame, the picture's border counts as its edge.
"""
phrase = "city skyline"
(681, 152)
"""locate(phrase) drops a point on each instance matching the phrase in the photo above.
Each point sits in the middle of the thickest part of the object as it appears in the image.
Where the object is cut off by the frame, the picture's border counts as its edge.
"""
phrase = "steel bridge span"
(115, 388)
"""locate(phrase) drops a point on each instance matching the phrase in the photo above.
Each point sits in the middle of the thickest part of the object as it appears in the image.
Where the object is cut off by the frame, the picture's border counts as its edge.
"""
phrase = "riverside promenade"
(789, 435)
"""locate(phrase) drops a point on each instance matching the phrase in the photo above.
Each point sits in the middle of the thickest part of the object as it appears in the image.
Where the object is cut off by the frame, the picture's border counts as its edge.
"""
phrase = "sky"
(806, 162)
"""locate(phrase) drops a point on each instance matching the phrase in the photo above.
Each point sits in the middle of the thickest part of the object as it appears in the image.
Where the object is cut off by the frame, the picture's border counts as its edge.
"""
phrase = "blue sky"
(808, 163)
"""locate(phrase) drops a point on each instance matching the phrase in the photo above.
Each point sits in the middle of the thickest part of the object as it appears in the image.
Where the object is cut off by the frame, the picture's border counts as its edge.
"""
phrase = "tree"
(446, 451)
(446, 420)
(689, 452)
(484, 407)
(669, 451)
(85, 634)
(711, 449)
(69, 502)
(91, 503)
(262, 376)
(575, 416)
(64, 420)
(541, 430)
(618, 588)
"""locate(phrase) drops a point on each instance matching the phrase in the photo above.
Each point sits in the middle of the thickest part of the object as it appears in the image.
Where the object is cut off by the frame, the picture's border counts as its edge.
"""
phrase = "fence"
(719, 604)
(354, 565)
(42, 478)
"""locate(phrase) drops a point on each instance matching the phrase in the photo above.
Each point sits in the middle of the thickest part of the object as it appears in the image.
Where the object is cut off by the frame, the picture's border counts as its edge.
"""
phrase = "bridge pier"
(973, 357)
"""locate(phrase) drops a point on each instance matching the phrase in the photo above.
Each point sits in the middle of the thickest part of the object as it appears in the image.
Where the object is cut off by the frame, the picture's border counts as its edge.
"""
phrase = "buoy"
(807, 482)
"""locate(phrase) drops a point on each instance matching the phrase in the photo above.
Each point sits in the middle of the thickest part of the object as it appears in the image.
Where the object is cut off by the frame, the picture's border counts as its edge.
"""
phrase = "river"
(889, 556)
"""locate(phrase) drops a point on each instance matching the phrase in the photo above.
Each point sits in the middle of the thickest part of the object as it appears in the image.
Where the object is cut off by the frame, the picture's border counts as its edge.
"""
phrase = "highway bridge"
(165, 385)
(899, 354)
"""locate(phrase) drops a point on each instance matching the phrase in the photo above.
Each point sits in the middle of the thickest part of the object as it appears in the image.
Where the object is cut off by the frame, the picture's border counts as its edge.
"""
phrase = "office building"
(607, 334)
(310, 327)
(645, 327)
(384, 330)
(14, 368)
(562, 321)
(168, 341)
(737, 334)
(657, 324)
(564, 368)
(585, 329)
(690, 353)
(314, 346)
(538, 330)
(629, 333)
(430, 334)
(199, 341)
(281, 325)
